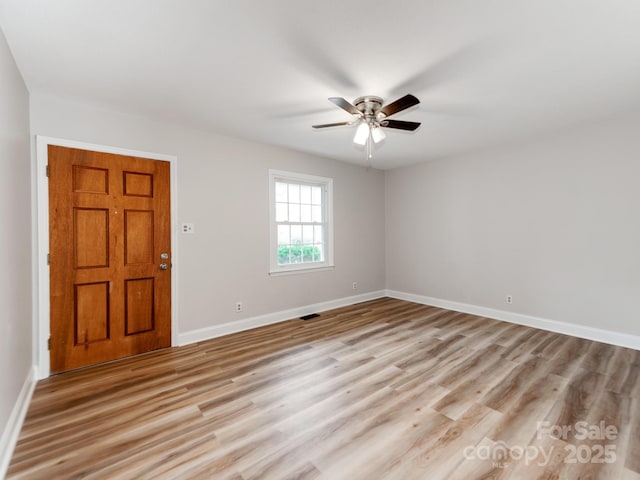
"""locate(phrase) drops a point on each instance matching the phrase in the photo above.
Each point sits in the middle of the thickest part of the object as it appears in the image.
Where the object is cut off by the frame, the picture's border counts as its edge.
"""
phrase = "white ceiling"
(486, 72)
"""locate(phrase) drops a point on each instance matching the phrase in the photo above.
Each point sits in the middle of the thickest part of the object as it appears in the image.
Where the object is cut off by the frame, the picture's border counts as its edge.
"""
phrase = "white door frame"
(41, 300)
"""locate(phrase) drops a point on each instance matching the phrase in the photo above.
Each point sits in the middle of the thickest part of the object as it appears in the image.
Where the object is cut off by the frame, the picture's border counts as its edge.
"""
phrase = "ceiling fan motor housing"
(369, 105)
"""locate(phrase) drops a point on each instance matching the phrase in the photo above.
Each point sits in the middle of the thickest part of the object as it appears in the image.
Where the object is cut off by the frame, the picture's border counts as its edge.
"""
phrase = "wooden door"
(109, 234)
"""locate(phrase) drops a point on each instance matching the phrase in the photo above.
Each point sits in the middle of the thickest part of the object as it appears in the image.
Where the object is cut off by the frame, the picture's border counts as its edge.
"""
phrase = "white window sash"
(327, 205)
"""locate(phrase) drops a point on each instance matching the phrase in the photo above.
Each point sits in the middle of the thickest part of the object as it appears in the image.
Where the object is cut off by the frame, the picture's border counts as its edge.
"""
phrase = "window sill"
(296, 271)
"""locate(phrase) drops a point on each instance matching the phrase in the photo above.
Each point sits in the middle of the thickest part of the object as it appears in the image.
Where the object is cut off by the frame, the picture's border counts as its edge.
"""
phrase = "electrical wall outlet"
(355, 285)
(187, 228)
(238, 307)
(509, 299)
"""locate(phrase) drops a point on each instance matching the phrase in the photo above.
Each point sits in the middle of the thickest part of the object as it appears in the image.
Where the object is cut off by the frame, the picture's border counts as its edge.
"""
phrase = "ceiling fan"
(370, 115)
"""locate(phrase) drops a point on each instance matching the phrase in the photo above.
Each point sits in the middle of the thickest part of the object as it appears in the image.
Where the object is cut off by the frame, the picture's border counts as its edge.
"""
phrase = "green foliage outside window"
(298, 254)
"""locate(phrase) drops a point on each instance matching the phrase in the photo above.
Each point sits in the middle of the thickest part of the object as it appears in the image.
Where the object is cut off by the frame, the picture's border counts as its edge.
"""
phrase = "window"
(301, 222)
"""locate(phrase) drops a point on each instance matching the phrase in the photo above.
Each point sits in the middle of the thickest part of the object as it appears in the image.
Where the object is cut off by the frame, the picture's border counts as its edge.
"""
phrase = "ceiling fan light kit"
(378, 135)
(362, 134)
(371, 117)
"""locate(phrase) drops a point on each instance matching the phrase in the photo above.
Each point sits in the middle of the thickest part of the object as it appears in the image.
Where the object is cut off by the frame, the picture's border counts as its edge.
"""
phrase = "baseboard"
(214, 331)
(16, 419)
(581, 331)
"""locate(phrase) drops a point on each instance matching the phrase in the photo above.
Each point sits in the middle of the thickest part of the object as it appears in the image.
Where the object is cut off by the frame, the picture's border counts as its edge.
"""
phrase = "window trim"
(327, 184)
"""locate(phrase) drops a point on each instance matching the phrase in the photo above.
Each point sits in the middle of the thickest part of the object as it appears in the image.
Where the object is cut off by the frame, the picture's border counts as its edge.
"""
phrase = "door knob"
(164, 266)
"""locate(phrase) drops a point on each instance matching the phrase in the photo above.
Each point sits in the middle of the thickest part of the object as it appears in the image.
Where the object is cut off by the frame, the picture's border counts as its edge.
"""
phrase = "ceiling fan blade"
(400, 124)
(338, 124)
(343, 104)
(399, 105)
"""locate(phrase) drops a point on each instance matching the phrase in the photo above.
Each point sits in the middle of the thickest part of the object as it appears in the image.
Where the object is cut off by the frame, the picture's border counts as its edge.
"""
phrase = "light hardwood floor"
(384, 389)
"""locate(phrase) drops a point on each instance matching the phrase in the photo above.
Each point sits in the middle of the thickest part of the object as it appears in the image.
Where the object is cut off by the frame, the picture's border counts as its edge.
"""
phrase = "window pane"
(294, 212)
(318, 234)
(316, 195)
(305, 194)
(294, 193)
(318, 253)
(282, 212)
(307, 253)
(296, 234)
(307, 234)
(281, 192)
(296, 254)
(316, 214)
(305, 213)
(284, 252)
(283, 235)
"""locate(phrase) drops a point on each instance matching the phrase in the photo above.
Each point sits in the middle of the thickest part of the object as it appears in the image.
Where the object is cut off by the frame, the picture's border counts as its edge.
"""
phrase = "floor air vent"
(310, 316)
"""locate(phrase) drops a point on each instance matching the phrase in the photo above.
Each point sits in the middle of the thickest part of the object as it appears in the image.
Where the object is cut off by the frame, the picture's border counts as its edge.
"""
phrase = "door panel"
(138, 237)
(91, 237)
(109, 223)
(139, 305)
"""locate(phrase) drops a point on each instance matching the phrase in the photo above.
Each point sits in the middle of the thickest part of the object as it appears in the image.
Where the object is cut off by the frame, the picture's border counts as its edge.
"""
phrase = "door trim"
(41, 300)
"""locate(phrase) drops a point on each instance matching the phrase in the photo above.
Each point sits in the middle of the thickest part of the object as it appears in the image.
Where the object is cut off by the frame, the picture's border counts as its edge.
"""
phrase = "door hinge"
(47, 170)
(48, 259)
(49, 344)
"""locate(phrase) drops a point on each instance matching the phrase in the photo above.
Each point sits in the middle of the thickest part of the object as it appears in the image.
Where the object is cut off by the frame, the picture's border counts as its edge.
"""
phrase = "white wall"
(555, 223)
(223, 189)
(15, 235)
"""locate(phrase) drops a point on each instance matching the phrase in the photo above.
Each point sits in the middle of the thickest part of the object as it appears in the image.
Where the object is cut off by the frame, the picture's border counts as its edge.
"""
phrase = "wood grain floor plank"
(385, 389)
(632, 454)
